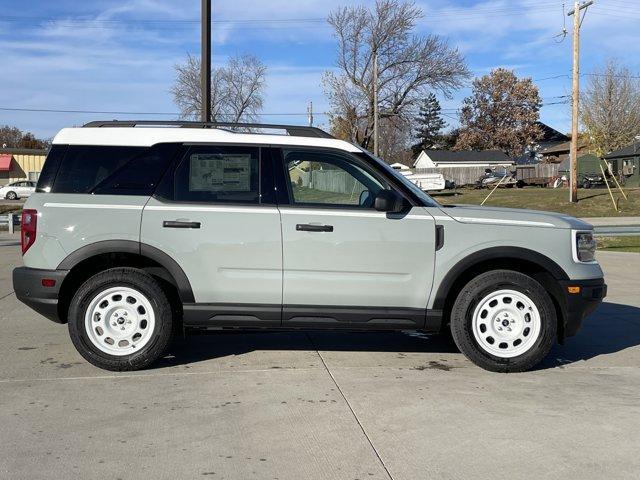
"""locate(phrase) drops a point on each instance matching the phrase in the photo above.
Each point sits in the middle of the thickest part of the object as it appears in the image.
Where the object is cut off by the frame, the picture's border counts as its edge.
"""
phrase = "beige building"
(20, 164)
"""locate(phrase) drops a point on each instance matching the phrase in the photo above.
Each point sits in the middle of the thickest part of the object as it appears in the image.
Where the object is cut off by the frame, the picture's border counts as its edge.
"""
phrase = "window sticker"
(220, 172)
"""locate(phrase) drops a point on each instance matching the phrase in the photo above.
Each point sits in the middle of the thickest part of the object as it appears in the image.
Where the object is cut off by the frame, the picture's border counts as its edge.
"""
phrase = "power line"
(177, 114)
(112, 112)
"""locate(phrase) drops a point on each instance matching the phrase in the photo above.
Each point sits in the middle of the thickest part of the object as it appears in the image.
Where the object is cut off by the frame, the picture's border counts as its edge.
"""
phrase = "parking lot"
(322, 405)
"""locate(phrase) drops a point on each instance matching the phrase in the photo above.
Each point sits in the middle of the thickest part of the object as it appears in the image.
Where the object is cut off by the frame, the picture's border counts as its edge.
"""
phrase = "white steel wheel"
(506, 323)
(119, 321)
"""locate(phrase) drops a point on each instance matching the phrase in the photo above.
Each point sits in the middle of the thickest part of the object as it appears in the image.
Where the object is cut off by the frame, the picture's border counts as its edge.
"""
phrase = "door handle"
(307, 227)
(179, 224)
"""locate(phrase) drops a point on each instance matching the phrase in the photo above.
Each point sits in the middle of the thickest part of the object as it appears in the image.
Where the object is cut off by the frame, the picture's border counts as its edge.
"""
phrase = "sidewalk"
(613, 221)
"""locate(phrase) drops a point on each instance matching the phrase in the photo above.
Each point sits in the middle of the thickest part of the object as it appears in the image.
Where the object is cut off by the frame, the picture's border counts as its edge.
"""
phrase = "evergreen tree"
(429, 124)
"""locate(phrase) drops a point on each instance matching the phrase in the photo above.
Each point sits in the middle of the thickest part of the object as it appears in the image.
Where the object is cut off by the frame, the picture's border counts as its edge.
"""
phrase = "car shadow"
(610, 329)
(206, 345)
(613, 327)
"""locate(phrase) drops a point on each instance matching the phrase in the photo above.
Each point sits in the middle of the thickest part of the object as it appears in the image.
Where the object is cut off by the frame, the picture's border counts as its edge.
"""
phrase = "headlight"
(585, 246)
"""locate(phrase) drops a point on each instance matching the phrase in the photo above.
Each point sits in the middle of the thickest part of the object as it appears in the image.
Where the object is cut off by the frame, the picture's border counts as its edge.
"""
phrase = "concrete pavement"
(613, 221)
(322, 405)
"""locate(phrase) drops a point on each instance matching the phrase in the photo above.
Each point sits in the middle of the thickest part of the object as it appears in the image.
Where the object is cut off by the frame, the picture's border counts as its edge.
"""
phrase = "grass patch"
(312, 195)
(619, 244)
(4, 209)
(591, 203)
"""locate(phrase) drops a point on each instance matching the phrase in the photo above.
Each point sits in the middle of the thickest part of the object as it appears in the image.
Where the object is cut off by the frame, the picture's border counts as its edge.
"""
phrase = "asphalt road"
(322, 405)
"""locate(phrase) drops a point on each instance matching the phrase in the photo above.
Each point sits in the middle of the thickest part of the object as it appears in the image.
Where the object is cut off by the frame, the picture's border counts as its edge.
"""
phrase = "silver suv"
(140, 230)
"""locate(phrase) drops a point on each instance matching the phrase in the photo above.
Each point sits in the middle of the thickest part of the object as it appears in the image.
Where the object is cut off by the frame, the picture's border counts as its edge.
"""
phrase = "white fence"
(470, 175)
(336, 181)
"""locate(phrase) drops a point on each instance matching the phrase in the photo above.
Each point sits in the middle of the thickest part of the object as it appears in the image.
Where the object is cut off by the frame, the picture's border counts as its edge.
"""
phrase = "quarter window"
(330, 179)
(107, 170)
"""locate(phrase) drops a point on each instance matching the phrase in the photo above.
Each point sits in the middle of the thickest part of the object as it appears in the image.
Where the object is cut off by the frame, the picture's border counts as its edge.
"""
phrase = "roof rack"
(293, 130)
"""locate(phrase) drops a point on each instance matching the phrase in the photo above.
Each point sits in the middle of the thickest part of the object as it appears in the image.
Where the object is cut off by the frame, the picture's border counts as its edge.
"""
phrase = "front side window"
(217, 174)
(325, 178)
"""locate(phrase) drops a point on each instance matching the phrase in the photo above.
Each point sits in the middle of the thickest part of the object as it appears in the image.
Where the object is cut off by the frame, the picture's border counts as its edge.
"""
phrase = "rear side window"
(139, 175)
(215, 174)
(50, 168)
(113, 170)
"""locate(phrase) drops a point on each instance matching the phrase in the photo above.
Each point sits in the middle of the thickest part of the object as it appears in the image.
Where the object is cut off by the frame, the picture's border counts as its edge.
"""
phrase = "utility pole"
(376, 151)
(205, 61)
(310, 112)
(573, 170)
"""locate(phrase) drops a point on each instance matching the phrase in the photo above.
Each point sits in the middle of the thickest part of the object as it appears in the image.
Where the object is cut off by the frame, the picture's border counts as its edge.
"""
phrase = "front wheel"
(120, 319)
(504, 321)
(11, 196)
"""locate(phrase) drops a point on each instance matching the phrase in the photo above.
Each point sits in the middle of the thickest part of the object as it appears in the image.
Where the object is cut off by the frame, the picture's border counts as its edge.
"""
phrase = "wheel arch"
(540, 267)
(90, 259)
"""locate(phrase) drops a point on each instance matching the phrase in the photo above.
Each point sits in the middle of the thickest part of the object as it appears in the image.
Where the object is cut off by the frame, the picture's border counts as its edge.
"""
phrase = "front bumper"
(29, 289)
(577, 306)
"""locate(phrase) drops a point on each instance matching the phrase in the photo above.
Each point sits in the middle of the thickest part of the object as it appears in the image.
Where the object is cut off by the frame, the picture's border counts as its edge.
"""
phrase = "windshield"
(422, 196)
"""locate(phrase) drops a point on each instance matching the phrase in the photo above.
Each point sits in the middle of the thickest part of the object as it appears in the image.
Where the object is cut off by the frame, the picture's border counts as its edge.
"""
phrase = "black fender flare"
(494, 253)
(136, 248)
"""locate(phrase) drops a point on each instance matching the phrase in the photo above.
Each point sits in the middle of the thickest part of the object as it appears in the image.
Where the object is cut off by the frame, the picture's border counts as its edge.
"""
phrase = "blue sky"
(119, 55)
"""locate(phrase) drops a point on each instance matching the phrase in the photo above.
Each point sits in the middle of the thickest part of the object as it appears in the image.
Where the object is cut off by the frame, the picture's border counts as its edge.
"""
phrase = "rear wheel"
(11, 196)
(120, 319)
(504, 321)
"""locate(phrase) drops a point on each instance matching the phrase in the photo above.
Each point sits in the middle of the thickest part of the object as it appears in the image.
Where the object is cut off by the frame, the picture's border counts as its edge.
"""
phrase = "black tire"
(134, 279)
(11, 196)
(586, 184)
(479, 288)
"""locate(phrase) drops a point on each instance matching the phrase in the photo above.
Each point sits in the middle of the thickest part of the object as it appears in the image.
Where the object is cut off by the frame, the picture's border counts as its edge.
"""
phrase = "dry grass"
(619, 244)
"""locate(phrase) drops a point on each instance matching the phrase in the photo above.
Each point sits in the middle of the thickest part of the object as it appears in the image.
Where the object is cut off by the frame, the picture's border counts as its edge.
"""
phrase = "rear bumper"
(27, 284)
(577, 306)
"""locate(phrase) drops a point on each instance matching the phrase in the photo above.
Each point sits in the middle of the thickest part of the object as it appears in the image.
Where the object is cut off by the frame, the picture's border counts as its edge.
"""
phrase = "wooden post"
(205, 61)
(573, 169)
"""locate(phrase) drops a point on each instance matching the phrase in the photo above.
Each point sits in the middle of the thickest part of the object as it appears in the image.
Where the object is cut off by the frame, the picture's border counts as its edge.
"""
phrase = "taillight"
(28, 225)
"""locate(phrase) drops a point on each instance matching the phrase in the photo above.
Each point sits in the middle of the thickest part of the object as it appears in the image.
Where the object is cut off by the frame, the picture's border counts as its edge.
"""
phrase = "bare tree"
(610, 109)
(237, 89)
(502, 113)
(13, 137)
(408, 66)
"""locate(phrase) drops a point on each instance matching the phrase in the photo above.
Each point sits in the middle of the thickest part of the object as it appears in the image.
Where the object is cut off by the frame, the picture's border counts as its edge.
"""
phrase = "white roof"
(399, 165)
(147, 136)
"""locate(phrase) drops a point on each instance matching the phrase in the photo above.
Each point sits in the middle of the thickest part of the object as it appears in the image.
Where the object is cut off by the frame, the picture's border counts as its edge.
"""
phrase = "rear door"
(346, 264)
(21, 189)
(28, 188)
(215, 215)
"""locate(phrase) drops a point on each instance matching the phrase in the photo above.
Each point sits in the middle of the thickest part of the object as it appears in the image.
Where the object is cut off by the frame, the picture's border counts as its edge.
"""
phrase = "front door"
(214, 214)
(346, 264)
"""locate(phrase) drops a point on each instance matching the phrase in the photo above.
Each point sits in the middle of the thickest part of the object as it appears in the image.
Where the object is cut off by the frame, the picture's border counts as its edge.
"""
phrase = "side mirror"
(389, 201)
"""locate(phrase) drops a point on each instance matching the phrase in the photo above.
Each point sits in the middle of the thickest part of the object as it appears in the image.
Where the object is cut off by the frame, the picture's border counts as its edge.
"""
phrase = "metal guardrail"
(617, 231)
